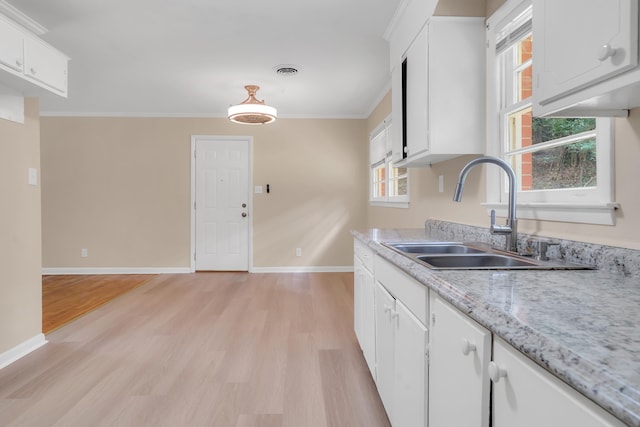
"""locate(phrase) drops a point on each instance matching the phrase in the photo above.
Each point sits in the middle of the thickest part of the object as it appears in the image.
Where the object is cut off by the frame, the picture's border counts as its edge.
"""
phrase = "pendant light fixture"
(252, 111)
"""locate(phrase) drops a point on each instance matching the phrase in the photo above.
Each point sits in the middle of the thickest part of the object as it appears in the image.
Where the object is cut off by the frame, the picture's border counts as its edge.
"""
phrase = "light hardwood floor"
(203, 349)
(68, 297)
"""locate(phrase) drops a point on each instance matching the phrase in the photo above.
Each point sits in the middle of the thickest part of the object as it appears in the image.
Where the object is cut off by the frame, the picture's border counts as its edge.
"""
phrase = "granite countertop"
(583, 326)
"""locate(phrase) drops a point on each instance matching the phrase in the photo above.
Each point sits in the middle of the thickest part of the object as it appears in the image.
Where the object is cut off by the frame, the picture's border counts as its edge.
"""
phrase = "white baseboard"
(183, 270)
(116, 270)
(21, 350)
(335, 269)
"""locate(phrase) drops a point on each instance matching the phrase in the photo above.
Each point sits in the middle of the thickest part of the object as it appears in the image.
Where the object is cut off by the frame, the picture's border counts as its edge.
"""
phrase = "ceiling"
(194, 57)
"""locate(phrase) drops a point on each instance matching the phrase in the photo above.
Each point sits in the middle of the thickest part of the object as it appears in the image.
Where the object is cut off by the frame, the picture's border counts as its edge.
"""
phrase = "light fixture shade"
(252, 111)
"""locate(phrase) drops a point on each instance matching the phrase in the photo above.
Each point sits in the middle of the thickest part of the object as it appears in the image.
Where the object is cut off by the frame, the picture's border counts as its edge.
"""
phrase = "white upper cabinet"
(438, 93)
(585, 57)
(45, 64)
(11, 48)
(27, 63)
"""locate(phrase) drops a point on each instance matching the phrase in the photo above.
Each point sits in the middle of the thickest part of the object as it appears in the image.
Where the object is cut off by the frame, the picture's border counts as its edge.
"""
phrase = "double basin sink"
(474, 256)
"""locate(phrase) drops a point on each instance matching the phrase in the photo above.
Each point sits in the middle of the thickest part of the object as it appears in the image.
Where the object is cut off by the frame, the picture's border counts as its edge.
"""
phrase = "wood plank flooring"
(68, 297)
(203, 349)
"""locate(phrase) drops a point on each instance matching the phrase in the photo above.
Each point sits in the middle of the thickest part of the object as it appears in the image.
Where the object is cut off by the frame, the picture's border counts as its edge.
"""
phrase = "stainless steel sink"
(474, 256)
(476, 261)
(435, 248)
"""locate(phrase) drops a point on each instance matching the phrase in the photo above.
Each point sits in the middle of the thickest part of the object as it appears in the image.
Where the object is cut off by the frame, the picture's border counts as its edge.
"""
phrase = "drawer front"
(403, 287)
(365, 254)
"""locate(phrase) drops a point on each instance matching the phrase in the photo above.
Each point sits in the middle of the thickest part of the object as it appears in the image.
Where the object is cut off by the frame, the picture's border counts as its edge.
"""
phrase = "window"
(389, 186)
(563, 165)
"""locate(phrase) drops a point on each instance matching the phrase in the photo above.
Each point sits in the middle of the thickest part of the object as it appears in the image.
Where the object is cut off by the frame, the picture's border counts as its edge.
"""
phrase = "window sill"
(592, 213)
(400, 205)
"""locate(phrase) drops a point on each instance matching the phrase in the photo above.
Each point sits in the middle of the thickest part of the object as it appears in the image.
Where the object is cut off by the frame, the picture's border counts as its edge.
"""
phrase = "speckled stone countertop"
(583, 326)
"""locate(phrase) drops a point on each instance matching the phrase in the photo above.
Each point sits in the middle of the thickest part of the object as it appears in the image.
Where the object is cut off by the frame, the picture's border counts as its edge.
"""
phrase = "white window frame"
(588, 205)
(377, 155)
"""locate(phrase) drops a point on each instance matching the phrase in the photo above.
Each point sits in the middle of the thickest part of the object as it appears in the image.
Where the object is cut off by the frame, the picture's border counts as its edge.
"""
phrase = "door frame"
(194, 140)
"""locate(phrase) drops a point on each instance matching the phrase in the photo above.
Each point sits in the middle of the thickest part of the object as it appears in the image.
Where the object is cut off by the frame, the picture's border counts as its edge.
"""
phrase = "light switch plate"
(33, 176)
(258, 189)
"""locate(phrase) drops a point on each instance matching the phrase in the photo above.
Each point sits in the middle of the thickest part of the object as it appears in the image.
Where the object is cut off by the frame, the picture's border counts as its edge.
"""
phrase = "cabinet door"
(397, 108)
(417, 96)
(357, 298)
(385, 325)
(528, 396)
(368, 320)
(45, 64)
(459, 351)
(410, 383)
(11, 47)
(570, 43)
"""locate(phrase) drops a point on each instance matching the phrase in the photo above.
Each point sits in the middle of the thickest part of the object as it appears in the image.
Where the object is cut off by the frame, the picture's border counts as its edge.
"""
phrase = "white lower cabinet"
(459, 353)
(363, 303)
(440, 376)
(385, 309)
(410, 370)
(401, 341)
(525, 395)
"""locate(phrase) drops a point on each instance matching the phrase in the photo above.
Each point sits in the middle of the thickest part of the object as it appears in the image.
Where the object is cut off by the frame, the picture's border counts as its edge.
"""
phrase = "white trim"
(382, 204)
(192, 115)
(115, 270)
(587, 206)
(21, 350)
(334, 269)
(589, 213)
(395, 19)
(194, 139)
(20, 18)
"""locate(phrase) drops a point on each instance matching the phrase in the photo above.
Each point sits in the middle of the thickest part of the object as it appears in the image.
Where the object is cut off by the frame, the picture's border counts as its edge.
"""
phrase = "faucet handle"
(498, 229)
(543, 246)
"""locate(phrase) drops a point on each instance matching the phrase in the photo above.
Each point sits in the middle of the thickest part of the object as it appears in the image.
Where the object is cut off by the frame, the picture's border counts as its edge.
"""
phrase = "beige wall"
(460, 8)
(120, 187)
(21, 285)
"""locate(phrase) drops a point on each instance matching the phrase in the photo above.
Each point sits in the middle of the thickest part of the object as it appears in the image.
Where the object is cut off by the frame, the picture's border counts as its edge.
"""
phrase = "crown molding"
(394, 19)
(20, 18)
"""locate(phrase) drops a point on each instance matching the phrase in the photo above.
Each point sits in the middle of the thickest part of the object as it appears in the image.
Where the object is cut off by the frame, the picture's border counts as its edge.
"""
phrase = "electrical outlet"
(84, 253)
(298, 251)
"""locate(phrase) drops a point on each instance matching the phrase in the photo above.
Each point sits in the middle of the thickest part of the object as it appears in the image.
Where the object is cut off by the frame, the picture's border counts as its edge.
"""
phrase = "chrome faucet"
(510, 229)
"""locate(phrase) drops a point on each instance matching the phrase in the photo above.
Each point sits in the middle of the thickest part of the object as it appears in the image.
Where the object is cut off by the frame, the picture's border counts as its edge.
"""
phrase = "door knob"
(467, 347)
(605, 51)
(496, 372)
(244, 205)
(244, 214)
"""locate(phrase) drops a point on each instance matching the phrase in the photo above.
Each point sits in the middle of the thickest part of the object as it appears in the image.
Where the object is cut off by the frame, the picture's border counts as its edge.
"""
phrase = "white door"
(221, 204)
